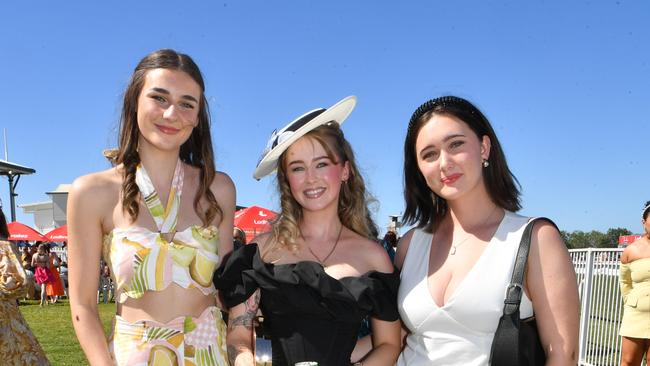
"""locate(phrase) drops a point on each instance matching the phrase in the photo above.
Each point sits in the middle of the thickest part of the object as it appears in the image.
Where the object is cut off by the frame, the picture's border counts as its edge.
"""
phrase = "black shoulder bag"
(516, 341)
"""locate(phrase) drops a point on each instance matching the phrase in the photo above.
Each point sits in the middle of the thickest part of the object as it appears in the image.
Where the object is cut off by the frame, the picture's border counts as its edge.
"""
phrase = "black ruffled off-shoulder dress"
(310, 315)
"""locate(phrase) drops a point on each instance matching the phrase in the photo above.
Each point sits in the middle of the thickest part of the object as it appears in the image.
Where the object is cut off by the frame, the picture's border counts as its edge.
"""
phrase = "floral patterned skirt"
(18, 346)
(184, 341)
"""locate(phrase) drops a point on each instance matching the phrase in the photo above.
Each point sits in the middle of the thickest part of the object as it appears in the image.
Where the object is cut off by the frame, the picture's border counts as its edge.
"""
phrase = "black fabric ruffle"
(309, 315)
(305, 287)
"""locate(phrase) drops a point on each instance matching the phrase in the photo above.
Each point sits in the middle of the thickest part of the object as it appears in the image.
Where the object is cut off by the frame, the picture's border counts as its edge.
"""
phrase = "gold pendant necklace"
(454, 247)
(322, 262)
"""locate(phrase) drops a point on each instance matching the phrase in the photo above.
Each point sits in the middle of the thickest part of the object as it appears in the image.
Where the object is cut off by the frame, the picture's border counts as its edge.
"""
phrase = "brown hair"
(353, 198)
(423, 206)
(239, 234)
(196, 151)
(391, 238)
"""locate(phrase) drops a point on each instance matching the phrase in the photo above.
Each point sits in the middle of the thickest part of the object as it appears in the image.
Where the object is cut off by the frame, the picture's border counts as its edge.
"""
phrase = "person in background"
(105, 283)
(162, 219)
(18, 346)
(54, 288)
(26, 260)
(635, 288)
(64, 277)
(389, 243)
(319, 272)
(458, 261)
(239, 238)
(42, 274)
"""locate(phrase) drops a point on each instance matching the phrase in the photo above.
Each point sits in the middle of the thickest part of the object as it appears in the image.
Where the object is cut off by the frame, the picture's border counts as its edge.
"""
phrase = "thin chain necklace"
(322, 262)
(455, 246)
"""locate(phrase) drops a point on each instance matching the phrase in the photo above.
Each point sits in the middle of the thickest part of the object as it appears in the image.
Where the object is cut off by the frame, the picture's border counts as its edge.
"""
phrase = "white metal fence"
(600, 304)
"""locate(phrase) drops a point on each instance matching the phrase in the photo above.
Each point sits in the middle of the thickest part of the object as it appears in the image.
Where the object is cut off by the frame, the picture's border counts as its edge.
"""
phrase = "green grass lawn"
(53, 329)
(52, 326)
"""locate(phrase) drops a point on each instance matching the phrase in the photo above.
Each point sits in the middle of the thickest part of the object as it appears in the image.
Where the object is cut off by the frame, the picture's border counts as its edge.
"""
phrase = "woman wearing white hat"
(317, 274)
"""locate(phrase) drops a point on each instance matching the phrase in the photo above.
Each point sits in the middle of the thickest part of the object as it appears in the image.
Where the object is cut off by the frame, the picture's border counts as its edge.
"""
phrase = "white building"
(50, 214)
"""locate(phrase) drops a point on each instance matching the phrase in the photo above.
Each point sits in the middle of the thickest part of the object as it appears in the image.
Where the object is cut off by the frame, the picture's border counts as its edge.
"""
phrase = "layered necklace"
(455, 246)
(322, 261)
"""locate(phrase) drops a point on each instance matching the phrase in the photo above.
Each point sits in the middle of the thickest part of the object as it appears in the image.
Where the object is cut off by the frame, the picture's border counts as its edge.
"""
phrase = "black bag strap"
(505, 346)
(515, 288)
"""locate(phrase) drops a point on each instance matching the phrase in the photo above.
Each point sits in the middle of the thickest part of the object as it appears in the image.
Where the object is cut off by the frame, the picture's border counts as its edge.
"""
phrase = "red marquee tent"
(18, 231)
(59, 234)
(254, 220)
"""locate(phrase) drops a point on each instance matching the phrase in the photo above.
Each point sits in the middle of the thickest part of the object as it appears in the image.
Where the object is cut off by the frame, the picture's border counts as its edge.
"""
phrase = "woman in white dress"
(458, 261)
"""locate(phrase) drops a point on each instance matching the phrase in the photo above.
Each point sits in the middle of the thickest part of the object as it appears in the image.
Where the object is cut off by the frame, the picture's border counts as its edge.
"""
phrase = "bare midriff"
(163, 306)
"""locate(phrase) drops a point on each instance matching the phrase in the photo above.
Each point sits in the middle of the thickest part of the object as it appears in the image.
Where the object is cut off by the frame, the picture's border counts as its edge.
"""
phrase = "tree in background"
(613, 234)
(593, 239)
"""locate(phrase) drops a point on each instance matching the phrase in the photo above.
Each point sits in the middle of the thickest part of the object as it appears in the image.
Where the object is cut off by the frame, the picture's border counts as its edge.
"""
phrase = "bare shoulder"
(222, 186)
(262, 240)
(402, 248)
(546, 236)
(627, 254)
(92, 198)
(99, 187)
(372, 252)
(633, 251)
(548, 250)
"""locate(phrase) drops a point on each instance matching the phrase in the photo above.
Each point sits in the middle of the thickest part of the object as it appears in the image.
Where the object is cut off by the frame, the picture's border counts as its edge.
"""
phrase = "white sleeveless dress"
(461, 331)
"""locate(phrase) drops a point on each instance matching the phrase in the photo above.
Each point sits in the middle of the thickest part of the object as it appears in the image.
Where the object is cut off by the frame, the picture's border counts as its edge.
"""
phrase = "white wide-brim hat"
(281, 139)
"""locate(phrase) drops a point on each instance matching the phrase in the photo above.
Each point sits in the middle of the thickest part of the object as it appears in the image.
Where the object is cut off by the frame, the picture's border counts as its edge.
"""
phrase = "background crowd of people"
(46, 273)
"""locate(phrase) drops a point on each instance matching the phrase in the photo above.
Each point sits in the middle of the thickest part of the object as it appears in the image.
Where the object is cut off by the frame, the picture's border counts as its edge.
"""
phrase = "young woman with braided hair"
(162, 219)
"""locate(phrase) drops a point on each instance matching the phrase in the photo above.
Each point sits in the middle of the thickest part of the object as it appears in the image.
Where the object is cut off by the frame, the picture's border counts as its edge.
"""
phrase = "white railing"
(601, 306)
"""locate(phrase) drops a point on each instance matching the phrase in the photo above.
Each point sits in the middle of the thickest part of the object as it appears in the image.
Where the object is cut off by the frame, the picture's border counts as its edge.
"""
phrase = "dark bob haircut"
(423, 206)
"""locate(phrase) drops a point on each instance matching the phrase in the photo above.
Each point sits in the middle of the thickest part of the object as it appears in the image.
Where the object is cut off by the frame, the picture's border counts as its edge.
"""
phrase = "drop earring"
(486, 163)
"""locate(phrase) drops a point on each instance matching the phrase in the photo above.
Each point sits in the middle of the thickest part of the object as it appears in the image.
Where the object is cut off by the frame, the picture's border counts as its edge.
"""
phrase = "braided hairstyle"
(196, 151)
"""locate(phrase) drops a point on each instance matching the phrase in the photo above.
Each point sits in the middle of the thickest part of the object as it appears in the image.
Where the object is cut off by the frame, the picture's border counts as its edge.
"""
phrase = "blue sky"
(565, 84)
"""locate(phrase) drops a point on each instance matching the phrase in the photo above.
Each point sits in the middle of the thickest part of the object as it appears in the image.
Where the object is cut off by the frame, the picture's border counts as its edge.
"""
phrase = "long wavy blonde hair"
(353, 198)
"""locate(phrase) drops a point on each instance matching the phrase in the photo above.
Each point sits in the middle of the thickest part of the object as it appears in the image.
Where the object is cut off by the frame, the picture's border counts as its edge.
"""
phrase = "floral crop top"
(143, 260)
